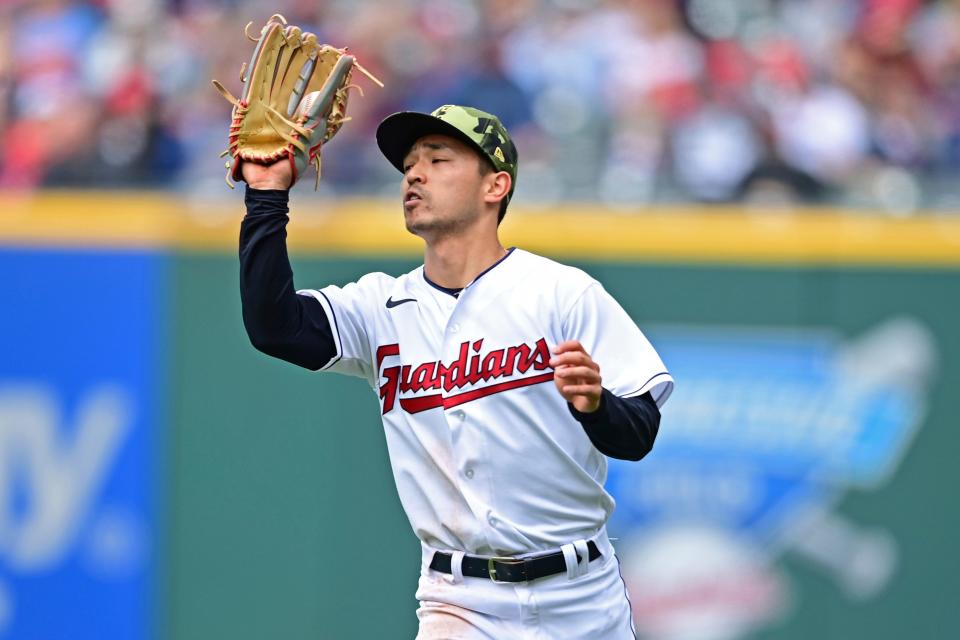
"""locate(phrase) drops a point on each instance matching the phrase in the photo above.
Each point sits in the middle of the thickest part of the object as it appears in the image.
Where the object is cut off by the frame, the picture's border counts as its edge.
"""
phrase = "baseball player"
(504, 379)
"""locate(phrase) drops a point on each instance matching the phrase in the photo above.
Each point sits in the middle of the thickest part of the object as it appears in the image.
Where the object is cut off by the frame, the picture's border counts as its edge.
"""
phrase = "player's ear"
(497, 186)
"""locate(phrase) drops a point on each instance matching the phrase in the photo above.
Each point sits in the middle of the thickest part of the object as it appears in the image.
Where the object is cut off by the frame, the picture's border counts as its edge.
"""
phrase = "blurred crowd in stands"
(626, 102)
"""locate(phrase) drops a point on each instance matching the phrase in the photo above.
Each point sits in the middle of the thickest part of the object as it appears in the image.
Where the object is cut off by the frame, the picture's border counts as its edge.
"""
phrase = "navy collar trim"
(456, 292)
(446, 290)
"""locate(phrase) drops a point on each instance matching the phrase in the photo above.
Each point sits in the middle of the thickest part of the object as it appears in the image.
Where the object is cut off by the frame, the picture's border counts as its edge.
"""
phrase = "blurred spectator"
(622, 101)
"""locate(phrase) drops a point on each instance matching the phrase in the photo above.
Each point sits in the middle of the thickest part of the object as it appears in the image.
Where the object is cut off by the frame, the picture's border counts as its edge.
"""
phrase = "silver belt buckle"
(492, 569)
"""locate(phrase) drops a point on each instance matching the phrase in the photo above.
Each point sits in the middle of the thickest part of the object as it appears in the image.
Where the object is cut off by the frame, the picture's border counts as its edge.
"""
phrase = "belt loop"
(570, 558)
(584, 552)
(456, 566)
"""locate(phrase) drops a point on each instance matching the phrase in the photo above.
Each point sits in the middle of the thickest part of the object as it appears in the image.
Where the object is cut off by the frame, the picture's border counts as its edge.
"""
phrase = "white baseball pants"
(588, 602)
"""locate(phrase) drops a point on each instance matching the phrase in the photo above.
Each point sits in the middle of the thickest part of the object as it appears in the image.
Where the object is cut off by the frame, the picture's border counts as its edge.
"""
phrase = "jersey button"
(493, 522)
(460, 415)
(469, 474)
(454, 328)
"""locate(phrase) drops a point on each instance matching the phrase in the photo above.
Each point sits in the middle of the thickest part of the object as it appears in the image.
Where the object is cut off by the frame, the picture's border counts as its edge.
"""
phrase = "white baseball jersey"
(485, 453)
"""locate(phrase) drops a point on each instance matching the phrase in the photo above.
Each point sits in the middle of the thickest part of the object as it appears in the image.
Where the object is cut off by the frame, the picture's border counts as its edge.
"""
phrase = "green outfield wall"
(802, 484)
(284, 510)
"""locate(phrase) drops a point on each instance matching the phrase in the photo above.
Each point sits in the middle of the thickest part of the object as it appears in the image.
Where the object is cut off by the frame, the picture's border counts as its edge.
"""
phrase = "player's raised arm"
(279, 322)
(294, 99)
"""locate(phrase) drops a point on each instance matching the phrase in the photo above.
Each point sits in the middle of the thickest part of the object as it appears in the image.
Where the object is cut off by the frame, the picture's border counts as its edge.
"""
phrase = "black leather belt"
(510, 569)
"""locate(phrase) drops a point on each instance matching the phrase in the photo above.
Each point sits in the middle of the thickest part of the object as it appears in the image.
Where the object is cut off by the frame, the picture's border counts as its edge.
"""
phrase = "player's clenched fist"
(577, 376)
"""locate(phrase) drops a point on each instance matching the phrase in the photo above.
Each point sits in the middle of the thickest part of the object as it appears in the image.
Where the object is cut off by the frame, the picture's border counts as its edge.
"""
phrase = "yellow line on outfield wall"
(373, 227)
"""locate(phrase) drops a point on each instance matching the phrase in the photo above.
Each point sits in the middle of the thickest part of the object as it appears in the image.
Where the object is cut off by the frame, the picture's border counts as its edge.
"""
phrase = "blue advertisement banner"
(767, 431)
(81, 340)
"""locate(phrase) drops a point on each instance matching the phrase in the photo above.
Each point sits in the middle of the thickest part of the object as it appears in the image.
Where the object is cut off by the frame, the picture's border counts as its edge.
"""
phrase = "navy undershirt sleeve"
(622, 428)
(279, 322)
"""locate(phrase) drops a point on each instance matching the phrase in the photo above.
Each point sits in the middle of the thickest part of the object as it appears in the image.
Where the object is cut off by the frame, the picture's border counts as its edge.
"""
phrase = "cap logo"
(498, 154)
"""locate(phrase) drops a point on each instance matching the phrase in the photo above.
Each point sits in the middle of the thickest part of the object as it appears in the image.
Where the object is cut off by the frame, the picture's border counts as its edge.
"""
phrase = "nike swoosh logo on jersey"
(391, 303)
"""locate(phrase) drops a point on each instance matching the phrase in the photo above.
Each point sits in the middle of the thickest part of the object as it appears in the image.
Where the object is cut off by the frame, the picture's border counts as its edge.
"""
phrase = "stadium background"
(769, 187)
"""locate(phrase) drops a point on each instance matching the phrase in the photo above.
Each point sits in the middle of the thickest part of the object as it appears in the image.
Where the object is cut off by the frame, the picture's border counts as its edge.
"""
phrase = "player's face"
(441, 186)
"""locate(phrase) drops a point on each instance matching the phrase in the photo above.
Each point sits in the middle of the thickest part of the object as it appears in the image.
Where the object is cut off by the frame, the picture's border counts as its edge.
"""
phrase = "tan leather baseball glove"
(294, 99)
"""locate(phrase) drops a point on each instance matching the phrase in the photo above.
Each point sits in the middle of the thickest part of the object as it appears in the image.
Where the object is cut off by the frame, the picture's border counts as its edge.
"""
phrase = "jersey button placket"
(456, 419)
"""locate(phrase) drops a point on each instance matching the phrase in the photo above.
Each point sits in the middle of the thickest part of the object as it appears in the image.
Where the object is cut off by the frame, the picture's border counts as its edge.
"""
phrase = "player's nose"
(414, 178)
(414, 174)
